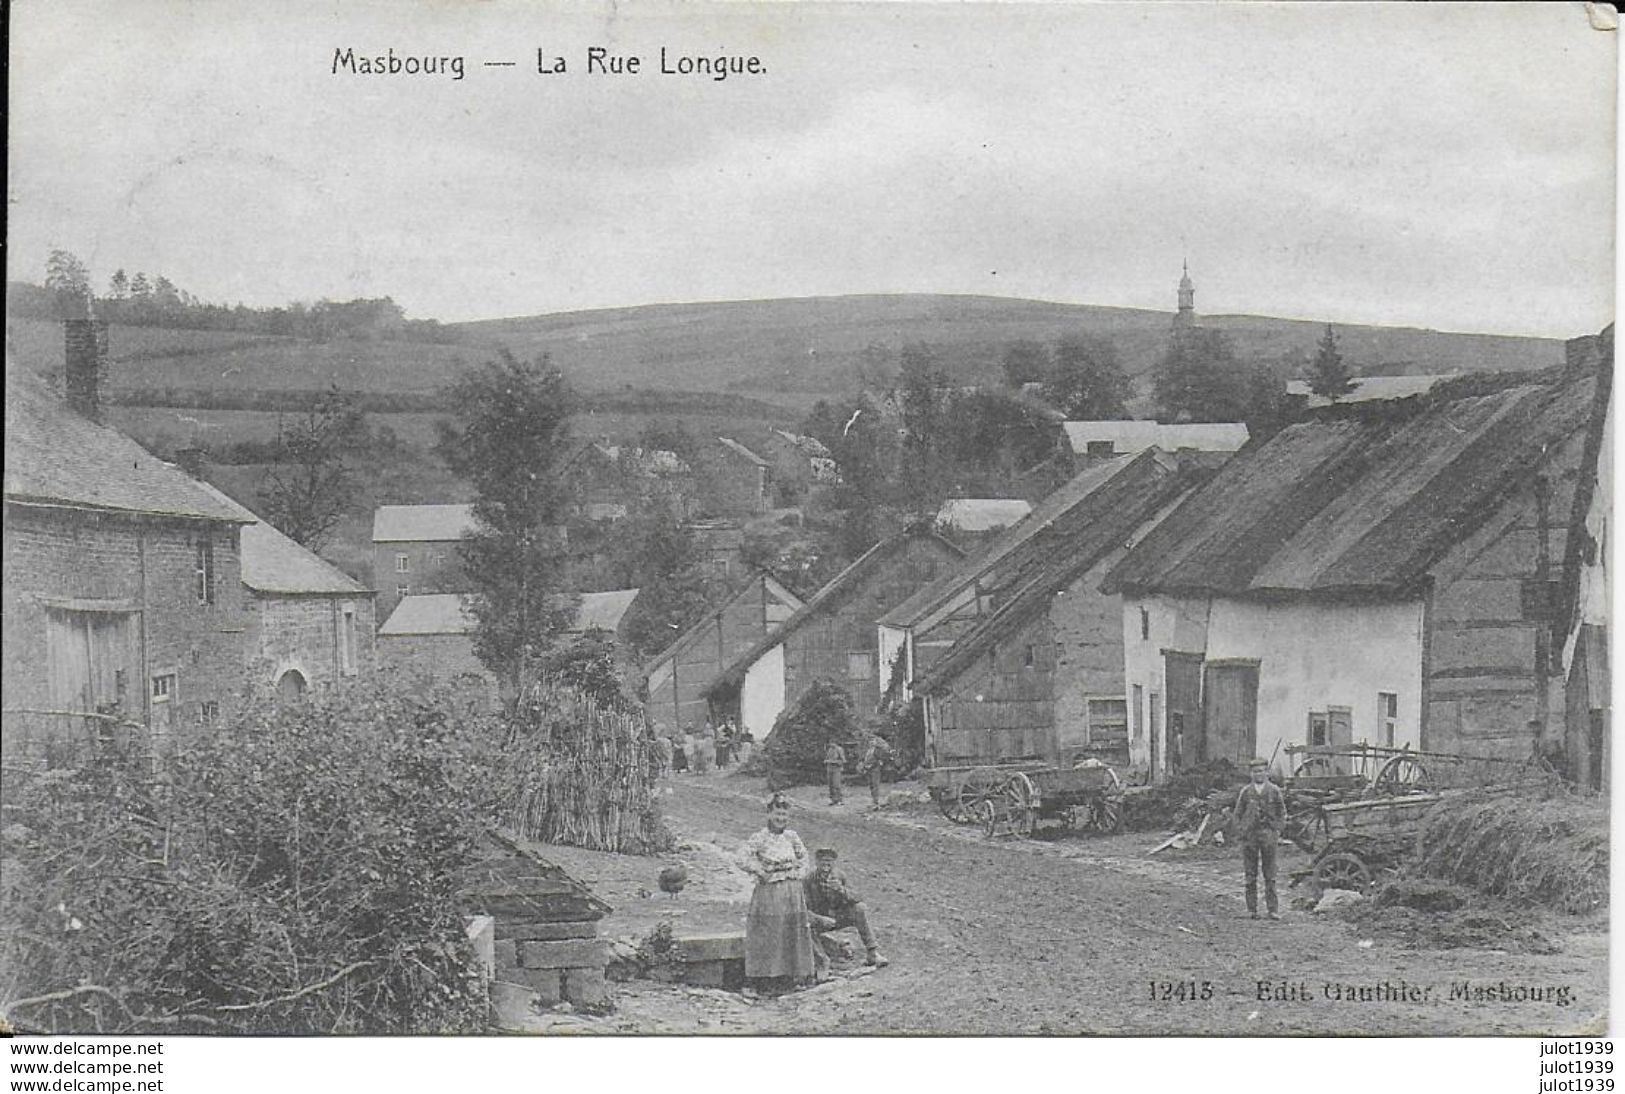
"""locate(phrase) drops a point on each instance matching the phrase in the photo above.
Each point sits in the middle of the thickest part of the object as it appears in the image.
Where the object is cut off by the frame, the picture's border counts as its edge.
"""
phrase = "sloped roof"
(698, 629)
(603, 611)
(734, 446)
(430, 613)
(56, 457)
(812, 446)
(1012, 542)
(1137, 436)
(415, 523)
(1367, 388)
(982, 514)
(1116, 512)
(840, 583)
(273, 563)
(1362, 502)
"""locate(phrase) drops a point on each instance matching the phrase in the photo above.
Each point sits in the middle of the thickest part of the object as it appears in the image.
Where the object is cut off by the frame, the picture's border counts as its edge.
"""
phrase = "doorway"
(1183, 675)
(1230, 710)
(291, 685)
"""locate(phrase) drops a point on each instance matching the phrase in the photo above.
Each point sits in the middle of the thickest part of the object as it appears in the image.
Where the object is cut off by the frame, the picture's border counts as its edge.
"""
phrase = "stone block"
(568, 954)
(548, 984)
(533, 930)
(513, 1004)
(704, 974)
(718, 946)
(482, 936)
(585, 987)
(505, 954)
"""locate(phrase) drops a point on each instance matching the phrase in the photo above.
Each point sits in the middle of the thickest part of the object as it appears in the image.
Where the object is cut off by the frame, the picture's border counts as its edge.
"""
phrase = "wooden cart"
(1366, 840)
(1012, 797)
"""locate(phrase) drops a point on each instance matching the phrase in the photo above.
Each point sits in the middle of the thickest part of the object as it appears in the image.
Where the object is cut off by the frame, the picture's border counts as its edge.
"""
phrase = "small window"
(163, 687)
(1319, 728)
(403, 564)
(208, 712)
(1388, 716)
(721, 565)
(347, 641)
(1145, 625)
(203, 571)
(1138, 712)
(1099, 449)
(860, 666)
(1031, 657)
(403, 591)
(1108, 719)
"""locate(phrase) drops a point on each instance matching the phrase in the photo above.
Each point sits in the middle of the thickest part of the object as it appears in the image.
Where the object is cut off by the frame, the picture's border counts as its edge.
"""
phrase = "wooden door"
(1155, 731)
(1183, 674)
(1340, 735)
(1230, 710)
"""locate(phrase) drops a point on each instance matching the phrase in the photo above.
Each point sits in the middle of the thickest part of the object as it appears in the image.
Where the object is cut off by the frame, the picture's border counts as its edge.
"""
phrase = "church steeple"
(1185, 318)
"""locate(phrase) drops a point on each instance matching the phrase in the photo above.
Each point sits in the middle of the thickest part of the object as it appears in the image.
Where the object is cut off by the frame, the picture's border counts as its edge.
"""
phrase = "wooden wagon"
(1013, 796)
(1364, 840)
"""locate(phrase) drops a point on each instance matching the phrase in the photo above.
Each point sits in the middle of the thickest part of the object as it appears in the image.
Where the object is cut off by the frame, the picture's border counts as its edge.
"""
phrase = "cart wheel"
(1402, 775)
(979, 785)
(987, 816)
(1108, 816)
(1315, 765)
(948, 802)
(1343, 870)
(1019, 802)
(1311, 831)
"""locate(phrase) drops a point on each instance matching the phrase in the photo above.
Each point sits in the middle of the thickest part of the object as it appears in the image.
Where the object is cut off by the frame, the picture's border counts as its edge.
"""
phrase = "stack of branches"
(1549, 849)
(1180, 803)
(585, 771)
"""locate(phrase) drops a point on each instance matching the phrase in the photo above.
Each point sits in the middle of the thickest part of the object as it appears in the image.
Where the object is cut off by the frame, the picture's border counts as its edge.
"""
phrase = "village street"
(1059, 936)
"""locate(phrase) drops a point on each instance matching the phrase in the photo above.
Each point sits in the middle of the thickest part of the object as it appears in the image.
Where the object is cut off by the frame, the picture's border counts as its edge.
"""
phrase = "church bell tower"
(1185, 318)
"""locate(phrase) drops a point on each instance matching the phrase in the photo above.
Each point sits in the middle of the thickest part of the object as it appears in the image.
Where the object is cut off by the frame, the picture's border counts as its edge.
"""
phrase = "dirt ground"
(1070, 935)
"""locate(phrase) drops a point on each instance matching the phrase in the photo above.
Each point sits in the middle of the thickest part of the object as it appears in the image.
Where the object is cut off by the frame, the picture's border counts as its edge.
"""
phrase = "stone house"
(677, 678)
(310, 625)
(832, 635)
(1382, 572)
(732, 480)
(1019, 653)
(122, 576)
(414, 550)
(799, 463)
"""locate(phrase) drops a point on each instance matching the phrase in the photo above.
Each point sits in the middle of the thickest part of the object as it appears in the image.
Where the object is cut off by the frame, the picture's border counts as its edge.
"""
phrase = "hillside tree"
(309, 490)
(659, 557)
(1085, 380)
(1330, 375)
(69, 281)
(1199, 379)
(1026, 362)
(508, 435)
(118, 286)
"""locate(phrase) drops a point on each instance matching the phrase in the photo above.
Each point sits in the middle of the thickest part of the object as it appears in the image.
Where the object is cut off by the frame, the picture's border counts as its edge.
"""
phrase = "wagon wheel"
(1402, 775)
(980, 785)
(987, 816)
(1309, 830)
(1315, 765)
(1343, 870)
(1108, 816)
(1019, 802)
(948, 802)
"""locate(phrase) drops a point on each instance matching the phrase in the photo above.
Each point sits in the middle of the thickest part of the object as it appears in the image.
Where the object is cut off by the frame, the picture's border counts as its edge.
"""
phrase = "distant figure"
(835, 907)
(663, 756)
(834, 762)
(724, 745)
(778, 940)
(875, 754)
(1260, 813)
(701, 755)
(673, 878)
(679, 753)
(744, 743)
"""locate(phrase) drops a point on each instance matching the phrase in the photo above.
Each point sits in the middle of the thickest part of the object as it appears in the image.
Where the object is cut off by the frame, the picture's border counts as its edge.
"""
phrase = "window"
(347, 641)
(1319, 728)
(860, 666)
(1108, 719)
(1138, 713)
(722, 566)
(163, 687)
(203, 571)
(1145, 625)
(1388, 716)
(403, 591)
(1031, 657)
(1099, 448)
(403, 563)
(208, 712)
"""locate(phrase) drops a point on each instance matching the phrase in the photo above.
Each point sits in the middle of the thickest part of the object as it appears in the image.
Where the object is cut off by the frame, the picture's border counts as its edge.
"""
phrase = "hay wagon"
(1366, 839)
(1012, 796)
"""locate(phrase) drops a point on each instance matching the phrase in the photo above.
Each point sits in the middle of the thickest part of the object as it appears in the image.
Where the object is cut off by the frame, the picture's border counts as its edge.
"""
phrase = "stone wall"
(304, 634)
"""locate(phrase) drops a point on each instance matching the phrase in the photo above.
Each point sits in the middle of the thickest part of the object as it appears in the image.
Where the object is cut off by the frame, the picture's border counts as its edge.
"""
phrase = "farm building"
(1382, 572)
(123, 577)
(1019, 653)
(607, 481)
(414, 549)
(1100, 440)
(733, 480)
(308, 623)
(678, 677)
(832, 635)
(799, 463)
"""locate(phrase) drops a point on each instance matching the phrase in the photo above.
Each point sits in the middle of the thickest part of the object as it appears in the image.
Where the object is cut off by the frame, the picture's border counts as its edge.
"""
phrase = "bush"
(795, 747)
(293, 872)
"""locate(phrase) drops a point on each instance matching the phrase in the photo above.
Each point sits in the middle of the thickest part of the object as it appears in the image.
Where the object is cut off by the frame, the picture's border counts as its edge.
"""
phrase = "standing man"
(835, 907)
(1260, 813)
(834, 762)
(875, 755)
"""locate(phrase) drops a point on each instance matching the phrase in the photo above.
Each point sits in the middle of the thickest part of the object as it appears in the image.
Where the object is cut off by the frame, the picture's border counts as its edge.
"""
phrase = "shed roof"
(421, 523)
(700, 627)
(429, 613)
(1137, 436)
(1362, 502)
(603, 611)
(839, 584)
(982, 514)
(273, 563)
(739, 449)
(57, 457)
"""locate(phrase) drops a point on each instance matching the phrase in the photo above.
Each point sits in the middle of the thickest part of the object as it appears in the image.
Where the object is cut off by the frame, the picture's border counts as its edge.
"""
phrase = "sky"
(1445, 166)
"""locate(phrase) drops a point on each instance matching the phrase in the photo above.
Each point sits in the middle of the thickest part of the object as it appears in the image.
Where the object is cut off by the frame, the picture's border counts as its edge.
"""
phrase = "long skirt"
(778, 941)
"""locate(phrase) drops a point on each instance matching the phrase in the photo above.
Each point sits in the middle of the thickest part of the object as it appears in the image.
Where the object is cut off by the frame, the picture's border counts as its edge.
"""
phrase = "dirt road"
(1071, 936)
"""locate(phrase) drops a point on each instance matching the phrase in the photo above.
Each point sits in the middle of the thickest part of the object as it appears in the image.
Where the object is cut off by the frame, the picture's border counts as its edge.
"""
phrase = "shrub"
(292, 872)
(795, 746)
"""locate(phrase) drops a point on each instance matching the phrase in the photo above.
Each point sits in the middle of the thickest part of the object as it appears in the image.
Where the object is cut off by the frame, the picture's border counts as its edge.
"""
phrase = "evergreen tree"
(508, 436)
(1329, 374)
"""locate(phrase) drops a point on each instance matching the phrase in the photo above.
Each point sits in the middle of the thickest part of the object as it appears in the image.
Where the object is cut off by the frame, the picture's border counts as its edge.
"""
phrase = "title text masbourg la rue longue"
(598, 62)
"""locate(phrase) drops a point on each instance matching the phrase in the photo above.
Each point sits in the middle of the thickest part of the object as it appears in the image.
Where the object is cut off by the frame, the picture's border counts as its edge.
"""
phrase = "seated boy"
(833, 907)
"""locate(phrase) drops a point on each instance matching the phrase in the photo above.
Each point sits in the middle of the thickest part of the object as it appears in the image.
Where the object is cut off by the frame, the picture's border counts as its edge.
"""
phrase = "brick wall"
(149, 564)
(302, 634)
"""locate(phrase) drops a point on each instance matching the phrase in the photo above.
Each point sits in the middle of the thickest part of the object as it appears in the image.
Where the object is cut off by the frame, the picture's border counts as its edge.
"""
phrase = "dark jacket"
(1260, 812)
(828, 898)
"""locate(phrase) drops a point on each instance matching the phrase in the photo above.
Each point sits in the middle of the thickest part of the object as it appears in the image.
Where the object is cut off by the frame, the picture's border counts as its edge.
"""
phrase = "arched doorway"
(291, 685)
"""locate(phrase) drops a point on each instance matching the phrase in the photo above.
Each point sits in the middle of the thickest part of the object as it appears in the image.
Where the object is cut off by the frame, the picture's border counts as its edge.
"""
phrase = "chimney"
(85, 342)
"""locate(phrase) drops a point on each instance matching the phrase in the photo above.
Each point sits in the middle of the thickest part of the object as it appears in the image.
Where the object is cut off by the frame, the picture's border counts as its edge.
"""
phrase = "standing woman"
(778, 940)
